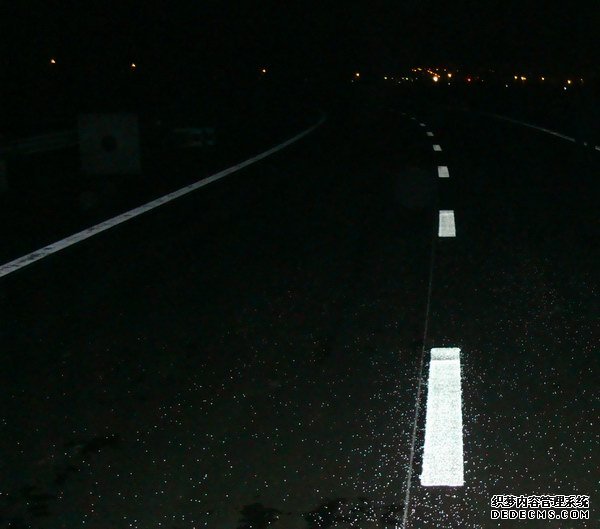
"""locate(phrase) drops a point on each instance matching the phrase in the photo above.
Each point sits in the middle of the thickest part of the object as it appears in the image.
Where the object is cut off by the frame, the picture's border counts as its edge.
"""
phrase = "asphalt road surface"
(256, 353)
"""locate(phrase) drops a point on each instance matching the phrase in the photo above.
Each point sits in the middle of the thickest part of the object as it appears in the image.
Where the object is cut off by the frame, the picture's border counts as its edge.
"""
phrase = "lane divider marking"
(430, 134)
(437, 148)
(447, 226)
(32, 257)
(443, 461)
(443, 171)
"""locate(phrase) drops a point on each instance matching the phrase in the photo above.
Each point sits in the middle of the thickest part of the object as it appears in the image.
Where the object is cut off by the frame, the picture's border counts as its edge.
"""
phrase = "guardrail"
(42, 143)
(178, 137)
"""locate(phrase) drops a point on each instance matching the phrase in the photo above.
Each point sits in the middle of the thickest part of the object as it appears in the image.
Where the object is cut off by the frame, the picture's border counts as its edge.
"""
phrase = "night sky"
(379, 35)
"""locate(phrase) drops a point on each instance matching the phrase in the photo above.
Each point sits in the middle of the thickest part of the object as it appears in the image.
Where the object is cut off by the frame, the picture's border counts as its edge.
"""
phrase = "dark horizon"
(383, 36)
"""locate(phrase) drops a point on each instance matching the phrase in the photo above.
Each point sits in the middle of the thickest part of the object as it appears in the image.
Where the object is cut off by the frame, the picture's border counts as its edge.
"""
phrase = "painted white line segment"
(437, 148)
(443, 171)
(531, 126)
(597, 147)
(447, 227)
(443, 462)
(430, 134)
(32, 257)
(422, 125)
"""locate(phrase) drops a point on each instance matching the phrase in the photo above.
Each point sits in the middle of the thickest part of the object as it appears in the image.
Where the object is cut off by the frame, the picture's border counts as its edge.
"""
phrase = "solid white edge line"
(531, 126)
(443, 171)
(32, 257)
(443, 459)
(447, 225)
(437, 148)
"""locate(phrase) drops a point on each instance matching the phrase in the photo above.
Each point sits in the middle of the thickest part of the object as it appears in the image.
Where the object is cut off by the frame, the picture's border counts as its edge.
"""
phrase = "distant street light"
(52, 61)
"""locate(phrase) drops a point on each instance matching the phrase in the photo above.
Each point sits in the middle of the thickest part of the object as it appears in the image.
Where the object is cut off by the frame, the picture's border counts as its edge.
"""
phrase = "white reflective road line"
(422, 124)
(443, 172)
(414, 119)
(531, 126)
(437, 148)
(447, 227)
(430, 134)
(597, 147)
(443, 463)
(32, 257)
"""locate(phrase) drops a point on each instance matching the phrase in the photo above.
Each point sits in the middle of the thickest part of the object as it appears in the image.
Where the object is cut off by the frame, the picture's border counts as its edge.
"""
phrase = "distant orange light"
(133, 65)
(357, 74)
(543, 78)
(435, 78)
(52, 61)
(468, 79)
(449, 75)
(523, 78)
(568, 81)
(264, 70)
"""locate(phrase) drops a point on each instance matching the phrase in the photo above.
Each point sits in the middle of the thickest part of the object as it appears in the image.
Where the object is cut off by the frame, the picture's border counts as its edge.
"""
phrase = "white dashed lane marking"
(437, 148)
(443, 462)
(32, 257)
(430, 134)
(447, 227)
(422, 124)
(443, 171)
